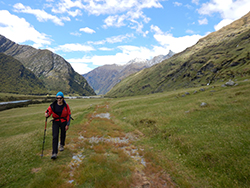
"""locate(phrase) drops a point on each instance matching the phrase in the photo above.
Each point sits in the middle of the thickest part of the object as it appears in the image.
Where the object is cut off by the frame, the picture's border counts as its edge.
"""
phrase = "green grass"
(209, 145)
(197, 146)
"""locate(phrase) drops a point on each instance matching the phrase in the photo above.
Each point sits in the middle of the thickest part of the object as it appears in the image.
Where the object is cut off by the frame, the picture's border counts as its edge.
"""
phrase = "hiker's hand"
(46, 114)
(66, 128)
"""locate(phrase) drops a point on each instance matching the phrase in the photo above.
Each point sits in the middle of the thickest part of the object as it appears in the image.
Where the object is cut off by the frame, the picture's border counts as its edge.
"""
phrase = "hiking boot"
(61, 148)
(54, 156)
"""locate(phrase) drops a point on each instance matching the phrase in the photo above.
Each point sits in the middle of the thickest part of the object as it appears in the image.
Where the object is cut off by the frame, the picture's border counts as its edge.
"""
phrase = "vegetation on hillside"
(220, 56)
(54, 72)
(15, 78)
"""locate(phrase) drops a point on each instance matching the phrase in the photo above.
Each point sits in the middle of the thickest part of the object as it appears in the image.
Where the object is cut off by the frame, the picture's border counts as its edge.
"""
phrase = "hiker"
(61, 119)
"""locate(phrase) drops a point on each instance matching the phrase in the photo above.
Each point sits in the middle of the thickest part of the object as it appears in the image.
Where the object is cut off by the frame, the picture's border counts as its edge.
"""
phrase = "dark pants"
(55, 134)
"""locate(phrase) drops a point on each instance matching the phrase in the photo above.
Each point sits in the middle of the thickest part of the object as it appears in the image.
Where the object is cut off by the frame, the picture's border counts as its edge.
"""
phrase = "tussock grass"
(180, 141)
(200, 146)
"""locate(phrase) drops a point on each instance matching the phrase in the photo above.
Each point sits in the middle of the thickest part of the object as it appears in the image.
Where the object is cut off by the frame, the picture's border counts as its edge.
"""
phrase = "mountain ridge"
(53, 70)
(15, 78)
(105, 77)
(223, 54)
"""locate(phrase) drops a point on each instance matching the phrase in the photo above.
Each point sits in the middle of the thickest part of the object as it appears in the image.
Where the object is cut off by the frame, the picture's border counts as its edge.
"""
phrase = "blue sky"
(92, 33)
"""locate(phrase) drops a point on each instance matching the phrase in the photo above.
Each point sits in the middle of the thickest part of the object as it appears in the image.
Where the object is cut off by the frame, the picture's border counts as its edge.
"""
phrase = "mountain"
(221, 55)
(15, 78)
(159, 58)
(54, 71)
(105, 77)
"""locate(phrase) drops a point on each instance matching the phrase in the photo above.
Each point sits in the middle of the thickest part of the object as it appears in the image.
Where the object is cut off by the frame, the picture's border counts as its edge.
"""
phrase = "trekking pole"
(44, 135)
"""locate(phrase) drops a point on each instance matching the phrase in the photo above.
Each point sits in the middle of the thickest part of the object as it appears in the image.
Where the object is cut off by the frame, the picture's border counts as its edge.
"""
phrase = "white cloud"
(75, 13)
(97, 7)
(74, 48)
(156, 29)
(190, 31)
(124, 12)
(223, 23)
(105, 49)
(87, 30)
(127, 53)
(119, 38)
(113, 39)
(76, 33)
(114, 21)
(41, 15)
(131, 17)
(176, 44)
(81, 68)
(177, 4)
(19, 30)
(203, 21)
(229, 10)
(195, 2)
(64, 6)
(101, 42)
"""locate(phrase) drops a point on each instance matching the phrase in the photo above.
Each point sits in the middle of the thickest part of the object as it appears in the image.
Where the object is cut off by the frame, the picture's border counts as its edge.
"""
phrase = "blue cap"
(60, 94)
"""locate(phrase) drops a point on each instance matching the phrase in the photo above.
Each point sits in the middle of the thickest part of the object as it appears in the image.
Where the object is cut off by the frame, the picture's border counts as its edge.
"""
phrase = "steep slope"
(52, 69)
(101, 78)
(104, 78)
(223, 54)
(15, 78)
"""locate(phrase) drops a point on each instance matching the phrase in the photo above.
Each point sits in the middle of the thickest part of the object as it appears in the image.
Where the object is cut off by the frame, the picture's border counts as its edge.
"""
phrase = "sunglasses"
(59, 98)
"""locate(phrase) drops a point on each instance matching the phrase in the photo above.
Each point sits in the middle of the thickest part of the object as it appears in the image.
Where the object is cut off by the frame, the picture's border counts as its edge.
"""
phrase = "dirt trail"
(101, 140)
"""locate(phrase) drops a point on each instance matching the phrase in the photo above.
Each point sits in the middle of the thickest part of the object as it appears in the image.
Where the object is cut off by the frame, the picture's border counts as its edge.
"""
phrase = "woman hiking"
(61, 119)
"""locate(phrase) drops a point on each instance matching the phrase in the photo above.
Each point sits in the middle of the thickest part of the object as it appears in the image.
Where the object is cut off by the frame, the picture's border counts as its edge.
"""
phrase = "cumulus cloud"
(106, 49)
(74, 48)
(115, 21)
(190, 31)
(97, 7)
(81, 68)
(222, 23)
(20, 31)
(76, 33)
(229, 10)
(203, 21)
(64, 6)
(87, 30)
(177, 4)
(41, 15)
(127, 53)
(195, 2)
(176, 44)
(130, 17)
(113, 39)
(119, 38)
(156, 29)
(123, 12)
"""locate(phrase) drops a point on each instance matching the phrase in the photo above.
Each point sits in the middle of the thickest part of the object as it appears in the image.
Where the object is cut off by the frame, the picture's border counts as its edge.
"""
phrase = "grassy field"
(183, 143)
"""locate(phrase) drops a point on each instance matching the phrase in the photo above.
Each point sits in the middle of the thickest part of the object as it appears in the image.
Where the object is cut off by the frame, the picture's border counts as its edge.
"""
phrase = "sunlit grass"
(209, 144)
(181, 141)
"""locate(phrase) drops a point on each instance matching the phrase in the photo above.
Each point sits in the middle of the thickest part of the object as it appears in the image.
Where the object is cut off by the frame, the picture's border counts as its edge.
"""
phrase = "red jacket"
(65, 116)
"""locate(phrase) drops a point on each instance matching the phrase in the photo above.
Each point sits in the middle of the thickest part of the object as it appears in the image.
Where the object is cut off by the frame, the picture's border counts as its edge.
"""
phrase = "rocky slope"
(54, 71)
(221, 55)
(104, 78)
(15, 78)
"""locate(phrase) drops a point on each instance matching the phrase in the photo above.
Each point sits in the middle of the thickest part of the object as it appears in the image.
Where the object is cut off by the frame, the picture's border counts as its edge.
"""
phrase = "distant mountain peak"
(104, 78)
(137, 60)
